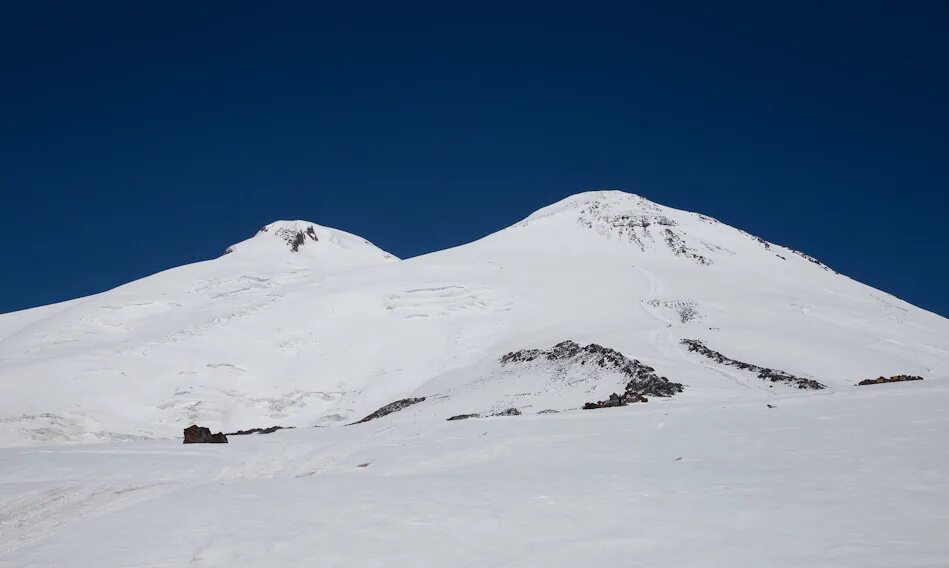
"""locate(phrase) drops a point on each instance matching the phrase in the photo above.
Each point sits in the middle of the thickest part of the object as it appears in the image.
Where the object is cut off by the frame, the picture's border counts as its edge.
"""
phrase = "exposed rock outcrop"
(642, 378)
(813, 260)
(463, 417)
(270, 430)
(626, 217)
(391, 407)
(616, 400)
(508, 412)
(292, 233)
(773, 375)
(200, 435)
(677, 245)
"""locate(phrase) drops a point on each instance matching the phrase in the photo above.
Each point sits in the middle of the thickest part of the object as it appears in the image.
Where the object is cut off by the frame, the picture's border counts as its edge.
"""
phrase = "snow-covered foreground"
(837, 478)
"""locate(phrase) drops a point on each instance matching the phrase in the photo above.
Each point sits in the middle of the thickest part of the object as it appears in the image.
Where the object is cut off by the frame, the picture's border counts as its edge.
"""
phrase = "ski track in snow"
(38, 513)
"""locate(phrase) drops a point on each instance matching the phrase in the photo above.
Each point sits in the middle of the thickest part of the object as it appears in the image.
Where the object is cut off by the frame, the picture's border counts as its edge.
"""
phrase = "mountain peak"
(629, 218)
(308, 239)
(295, 233)
(602, 199)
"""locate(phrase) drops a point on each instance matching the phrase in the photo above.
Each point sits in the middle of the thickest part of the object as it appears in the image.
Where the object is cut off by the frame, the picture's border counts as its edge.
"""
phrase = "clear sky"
(137, 136)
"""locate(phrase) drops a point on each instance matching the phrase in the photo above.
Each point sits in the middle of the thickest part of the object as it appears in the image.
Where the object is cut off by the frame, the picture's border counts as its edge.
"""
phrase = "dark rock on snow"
(508, 412)
(199, 435)
(772, 375)
(270, 430)
(893, 379)
(813, 260)
(297, 241)
(391, 407)
(642, 378)
(463, 417)
(616, 400)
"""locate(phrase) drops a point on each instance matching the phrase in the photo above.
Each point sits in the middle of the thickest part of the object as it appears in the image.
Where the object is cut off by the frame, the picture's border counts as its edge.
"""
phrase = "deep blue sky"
(139, 136)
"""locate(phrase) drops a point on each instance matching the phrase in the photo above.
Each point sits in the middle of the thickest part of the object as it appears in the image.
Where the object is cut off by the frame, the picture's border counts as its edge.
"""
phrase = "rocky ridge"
(773, 375)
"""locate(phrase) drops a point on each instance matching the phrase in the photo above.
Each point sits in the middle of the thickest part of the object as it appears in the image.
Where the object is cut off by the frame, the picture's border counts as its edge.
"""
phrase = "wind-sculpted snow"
(773, 375)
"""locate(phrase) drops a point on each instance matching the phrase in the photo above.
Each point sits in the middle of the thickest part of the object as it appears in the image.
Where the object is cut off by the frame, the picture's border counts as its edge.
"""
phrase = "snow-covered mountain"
(303, 325)
(463, 374)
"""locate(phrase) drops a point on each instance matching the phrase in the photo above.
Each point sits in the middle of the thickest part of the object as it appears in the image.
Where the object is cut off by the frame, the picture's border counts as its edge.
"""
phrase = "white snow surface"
(855, 478)
(303, 325)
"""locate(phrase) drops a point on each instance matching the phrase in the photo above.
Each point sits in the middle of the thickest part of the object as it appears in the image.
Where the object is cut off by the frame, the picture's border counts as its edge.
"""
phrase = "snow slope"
(304, 327)
(845, 479)
(601, 293)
